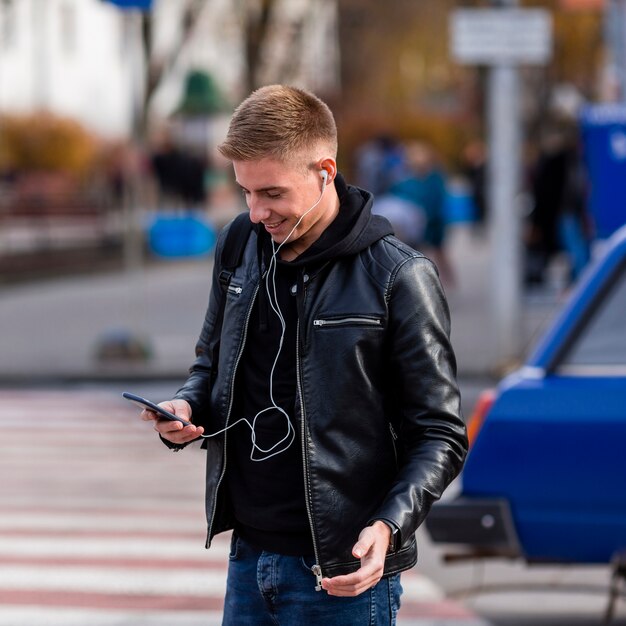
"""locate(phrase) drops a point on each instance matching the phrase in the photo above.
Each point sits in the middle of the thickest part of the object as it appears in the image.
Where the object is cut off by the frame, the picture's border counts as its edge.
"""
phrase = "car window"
(602, 342)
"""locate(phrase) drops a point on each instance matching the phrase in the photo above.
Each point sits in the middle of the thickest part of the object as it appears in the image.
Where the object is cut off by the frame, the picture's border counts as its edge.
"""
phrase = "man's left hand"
(371, 548)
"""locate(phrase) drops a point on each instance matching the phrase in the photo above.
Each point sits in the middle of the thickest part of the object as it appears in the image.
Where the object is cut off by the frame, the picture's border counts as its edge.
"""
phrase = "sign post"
(130, 343)
(503, 38)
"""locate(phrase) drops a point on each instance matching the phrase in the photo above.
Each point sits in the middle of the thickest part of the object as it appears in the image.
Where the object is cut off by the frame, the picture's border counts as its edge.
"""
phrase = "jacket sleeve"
(423, 368)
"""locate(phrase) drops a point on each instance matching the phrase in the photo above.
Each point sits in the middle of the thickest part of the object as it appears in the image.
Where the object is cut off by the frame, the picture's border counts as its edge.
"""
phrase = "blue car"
(545, 478)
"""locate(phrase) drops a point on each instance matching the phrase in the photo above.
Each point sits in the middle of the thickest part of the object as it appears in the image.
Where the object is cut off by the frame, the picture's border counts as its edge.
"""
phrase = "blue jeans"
(267, 589)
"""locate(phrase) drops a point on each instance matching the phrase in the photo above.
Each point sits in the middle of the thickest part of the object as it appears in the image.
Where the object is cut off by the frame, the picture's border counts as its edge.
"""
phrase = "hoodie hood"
(354, 229)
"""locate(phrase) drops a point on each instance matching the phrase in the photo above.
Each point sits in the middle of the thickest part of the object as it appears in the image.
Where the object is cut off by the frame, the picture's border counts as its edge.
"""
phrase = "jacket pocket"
(349, 320)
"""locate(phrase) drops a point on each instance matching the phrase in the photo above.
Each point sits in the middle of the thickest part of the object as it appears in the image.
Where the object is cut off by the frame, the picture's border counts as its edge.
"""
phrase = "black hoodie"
(267, 497)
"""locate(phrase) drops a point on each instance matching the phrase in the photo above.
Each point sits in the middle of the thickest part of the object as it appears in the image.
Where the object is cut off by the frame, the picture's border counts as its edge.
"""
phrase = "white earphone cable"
(291, 433)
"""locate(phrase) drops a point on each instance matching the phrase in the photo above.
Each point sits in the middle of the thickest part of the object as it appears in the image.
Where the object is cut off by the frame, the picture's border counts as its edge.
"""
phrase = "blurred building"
(69, 57)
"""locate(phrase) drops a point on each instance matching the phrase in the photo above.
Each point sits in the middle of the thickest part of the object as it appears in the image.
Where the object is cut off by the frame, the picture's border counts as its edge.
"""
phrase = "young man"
(327, 398)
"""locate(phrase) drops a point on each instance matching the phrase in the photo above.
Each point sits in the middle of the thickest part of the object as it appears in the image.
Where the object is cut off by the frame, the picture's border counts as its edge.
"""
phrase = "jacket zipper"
(316, 569)
(235, 289)
(370, 321)
(230, 406)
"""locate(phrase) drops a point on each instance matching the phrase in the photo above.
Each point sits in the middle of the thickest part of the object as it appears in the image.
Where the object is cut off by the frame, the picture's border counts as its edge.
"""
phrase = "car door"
(584, 435)
(554, 443)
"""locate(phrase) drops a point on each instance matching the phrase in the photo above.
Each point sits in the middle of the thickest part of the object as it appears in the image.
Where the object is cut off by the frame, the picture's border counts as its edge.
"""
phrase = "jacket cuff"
(394, 540)
(176, 447)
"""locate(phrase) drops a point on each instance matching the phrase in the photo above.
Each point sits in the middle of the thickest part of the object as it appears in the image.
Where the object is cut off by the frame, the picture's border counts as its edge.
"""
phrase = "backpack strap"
(230, 259)
(234, 246)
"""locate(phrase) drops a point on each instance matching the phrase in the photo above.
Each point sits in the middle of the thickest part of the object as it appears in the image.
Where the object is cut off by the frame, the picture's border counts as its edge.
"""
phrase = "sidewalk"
(51, 330)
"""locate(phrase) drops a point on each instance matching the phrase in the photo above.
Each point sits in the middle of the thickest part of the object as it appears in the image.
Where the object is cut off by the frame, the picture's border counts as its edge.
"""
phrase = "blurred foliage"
(578, 46)
(45, 142)
(398, 77)
(449, 137)
(399, 80)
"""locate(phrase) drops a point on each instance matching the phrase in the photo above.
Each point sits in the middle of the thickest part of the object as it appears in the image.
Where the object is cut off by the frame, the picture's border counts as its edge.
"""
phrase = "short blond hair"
(279, 122)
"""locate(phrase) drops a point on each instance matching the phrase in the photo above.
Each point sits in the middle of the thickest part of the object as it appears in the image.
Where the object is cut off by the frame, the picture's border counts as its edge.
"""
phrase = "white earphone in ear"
(324, 175)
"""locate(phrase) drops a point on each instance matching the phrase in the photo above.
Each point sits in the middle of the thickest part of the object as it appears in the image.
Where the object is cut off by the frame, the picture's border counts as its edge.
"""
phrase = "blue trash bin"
(603, 128)
(181, 236)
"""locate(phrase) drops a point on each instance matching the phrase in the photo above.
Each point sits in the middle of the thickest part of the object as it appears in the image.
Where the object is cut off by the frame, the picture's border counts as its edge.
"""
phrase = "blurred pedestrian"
(474, 171)
(407, 219)
(559, 220)
(379, 164)
(424, 185)
(574, 220)
(325, 375)
(180, 175)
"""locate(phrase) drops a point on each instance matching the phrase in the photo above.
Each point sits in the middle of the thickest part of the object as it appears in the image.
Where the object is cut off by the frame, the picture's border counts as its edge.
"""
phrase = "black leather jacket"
(377, 403)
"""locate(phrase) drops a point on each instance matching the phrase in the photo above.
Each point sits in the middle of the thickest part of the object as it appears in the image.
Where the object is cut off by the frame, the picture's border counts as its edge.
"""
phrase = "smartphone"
(151, 406)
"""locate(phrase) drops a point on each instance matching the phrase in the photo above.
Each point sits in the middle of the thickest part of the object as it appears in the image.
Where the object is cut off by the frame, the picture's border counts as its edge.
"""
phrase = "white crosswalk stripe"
(50, 616)
(113, 580)
(79, 520)
(112, 548)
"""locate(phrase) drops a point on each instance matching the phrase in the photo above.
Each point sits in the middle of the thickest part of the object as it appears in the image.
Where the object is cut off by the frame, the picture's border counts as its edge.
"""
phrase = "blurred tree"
(157, 67)
(256, 16)
(398, 77)
(275, 35)
(578, 44)
(272, 43)
(44, 141)
(201, 96)
(396, 72)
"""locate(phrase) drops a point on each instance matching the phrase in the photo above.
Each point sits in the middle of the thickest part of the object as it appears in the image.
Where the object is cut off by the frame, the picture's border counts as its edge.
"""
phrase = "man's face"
(278, 194)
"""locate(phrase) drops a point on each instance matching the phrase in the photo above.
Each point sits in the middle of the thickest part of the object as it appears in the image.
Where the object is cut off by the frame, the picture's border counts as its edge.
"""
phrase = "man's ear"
(328, 165)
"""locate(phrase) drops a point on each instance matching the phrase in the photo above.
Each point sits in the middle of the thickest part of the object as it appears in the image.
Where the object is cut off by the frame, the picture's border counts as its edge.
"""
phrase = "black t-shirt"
(268, 496)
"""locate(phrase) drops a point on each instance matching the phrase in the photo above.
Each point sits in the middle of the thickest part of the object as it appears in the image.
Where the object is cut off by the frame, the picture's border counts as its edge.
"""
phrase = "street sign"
(142, 5)
(501, 36)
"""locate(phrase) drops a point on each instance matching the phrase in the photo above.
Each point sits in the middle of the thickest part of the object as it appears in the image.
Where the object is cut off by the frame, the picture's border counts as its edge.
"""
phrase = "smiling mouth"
(273, 225)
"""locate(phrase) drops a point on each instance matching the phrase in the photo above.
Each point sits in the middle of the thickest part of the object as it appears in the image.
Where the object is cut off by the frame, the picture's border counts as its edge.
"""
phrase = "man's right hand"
(174, 431)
